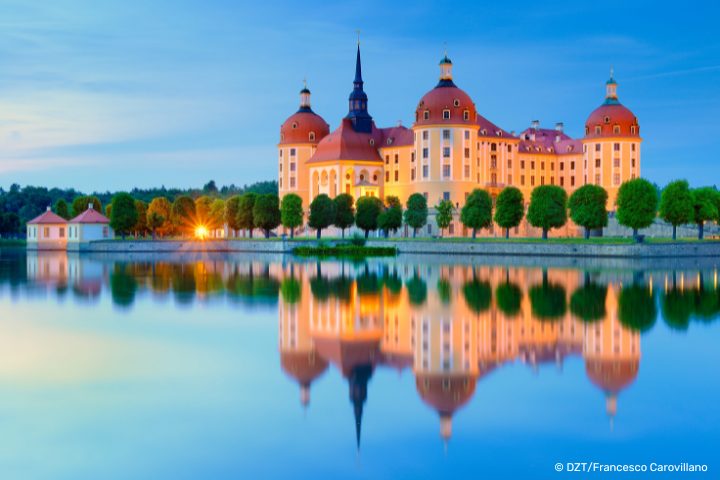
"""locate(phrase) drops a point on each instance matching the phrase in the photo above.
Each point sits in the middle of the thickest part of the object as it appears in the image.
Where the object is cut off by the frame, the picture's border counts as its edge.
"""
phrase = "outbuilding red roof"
(90, 216)
(47, 218)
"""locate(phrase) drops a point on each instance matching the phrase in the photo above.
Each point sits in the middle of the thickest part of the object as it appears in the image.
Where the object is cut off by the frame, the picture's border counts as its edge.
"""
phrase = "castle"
(451, 150)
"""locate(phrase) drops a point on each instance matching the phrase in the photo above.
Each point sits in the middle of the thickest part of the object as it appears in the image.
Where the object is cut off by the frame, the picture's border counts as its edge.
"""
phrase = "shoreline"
(479, 247)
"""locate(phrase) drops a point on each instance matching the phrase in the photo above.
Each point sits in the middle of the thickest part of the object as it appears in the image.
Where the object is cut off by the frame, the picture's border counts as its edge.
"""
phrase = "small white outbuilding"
(47, 232)
(89, 226)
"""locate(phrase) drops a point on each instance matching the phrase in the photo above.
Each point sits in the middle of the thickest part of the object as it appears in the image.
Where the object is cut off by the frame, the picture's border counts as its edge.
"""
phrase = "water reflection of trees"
(548, 299)
(637, 308)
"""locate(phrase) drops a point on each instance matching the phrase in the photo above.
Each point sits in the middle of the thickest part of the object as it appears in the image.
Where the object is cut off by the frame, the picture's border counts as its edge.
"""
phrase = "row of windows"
(292, 152)
(616, 147)
(292, 182)
(292, 166)
(447, 114)
(616, 128)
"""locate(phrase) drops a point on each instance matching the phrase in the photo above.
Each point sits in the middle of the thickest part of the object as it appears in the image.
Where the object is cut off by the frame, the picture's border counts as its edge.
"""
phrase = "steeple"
(445, 72)
(305, 98)
(611, 97)
(357, 111)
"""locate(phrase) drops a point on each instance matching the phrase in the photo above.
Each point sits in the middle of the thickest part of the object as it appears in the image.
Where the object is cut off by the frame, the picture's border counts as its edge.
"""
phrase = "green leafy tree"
(140, 228)
(232, 207)
(160, 207)
(154, 222)
(676, 205)
(344, 212)
(477, 211)
(637, 203)
(182, 214)
(124, 214)
(588, 207)
(547, 208)
(246, 212)
(322, 213)
(80, 204)
(108, 210)
(61, 208)
(367, 213)
(202, 210)
(9, 224)
(390, 219)
(509, 209)
(416, 213)
(444, 214)
(291, 212)
(266, 212)
(704, 202)
(217, 214)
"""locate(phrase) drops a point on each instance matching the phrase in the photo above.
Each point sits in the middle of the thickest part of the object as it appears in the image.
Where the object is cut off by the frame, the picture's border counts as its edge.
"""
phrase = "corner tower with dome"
(451, 150)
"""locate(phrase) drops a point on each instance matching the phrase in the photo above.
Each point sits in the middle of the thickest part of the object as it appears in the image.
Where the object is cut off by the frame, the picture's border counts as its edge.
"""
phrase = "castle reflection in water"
(450, 324)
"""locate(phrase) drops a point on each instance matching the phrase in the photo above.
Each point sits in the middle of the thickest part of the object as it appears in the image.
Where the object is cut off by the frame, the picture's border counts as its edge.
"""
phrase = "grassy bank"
(345, 251)
(12, 242)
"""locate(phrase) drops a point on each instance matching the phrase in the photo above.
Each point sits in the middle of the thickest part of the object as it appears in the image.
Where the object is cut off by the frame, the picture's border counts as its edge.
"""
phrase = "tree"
(9, 224)
(182, 213)
(509, 298)
(344, 212)
(154, 221)
(232, 206)
(547, 208)
(80, 204)
(367, 213)
(217, 214)
(444, 214)
(108, 210)
(588, 207)
(61, 208)
(509, 209)
(291, 212)
(160, 207)
(636, 204)
(390, 219)
(124, 215)
(676, 205)
(416, 213)
(477, 211)
(322, 213)
(140, 227)
(266, 212)
(704, 201)
(246, 212)
(202, 210)
(210, 187)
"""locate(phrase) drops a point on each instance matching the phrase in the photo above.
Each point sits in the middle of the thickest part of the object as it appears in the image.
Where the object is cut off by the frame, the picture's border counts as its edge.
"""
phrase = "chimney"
(48, 208)
(535, 124)
(559, 127)
(399, 123)
(90, 206)
(512, 133)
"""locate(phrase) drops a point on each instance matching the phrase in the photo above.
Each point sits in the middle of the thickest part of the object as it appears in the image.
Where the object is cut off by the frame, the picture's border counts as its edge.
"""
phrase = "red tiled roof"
(396, 136)
(445, 98)
(548, 141)
(347, 144)
(488, 129)
(90, 216)
(47, 218)
(607, 117)
(297, 128)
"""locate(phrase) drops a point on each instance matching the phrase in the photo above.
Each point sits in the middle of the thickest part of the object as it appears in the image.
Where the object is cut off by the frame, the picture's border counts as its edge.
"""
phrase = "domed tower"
(445, 133)
(299, 137)
(611, 146)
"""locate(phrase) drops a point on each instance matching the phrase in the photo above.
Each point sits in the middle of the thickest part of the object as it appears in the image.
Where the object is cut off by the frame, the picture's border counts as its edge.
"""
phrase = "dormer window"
(294, 125)
(426, 115)
(633, 129)
(607, 119)
(282, 137)
(499, 133)
(597, 130)
(483, 132)
(389, 141)
(372, 141)
(616, 129)
(466, 115)
(456, 102)
(311, 136)
(446, 114)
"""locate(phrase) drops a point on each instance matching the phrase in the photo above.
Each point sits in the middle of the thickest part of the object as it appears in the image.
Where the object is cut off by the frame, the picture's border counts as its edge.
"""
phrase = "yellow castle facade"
(450, 150)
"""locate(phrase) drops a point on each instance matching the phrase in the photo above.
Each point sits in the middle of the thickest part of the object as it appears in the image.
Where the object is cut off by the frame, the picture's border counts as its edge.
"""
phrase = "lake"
(252, 366)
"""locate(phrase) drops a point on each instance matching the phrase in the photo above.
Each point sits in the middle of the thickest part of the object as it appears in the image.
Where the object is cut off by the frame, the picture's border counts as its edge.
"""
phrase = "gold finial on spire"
(358, 34)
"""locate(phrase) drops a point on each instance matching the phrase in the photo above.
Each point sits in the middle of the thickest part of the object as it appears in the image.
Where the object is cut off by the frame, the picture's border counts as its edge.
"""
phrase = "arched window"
(446, 114)
(426, 115)
(466, 115)
(311, 136)
(294, 125)
(607, 119)
(597, 130)
(616, 129)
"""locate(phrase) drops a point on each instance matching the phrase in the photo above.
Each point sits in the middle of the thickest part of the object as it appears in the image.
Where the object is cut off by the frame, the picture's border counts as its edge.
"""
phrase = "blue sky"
(114, 94)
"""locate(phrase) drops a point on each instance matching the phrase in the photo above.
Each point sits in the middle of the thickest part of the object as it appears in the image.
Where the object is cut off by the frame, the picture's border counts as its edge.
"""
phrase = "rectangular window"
(446, 114)
(597, 179)
(106, 232)
(597, 147)
(532, 165)
(632, 147)
(509, 163)
(616, 147)
(62, 232)
(466, 115)
(292, 182)
(425, 153)
(281, 167)
(493, 162)
(446, 152)
(292, 166)
(387, 176)
(632, 163)
(280, 182)
(425, 134)
(292, 152)
(46, 232)
(616, 179)
(467, 153)
(542, 179)
(552, 180)
(467, 134)
(522, 163)
(467, 171)
(446, 134)
(552, 165)
(412, 174)
(509, 181)
(522, 180)
(412, 156)
(597, 163)
(542, 165)
(616, 162)
(425, 171)
(397, 175)
(532, 180)
(572, 165)
(387, 159)
(397, 159)
(426, 115)
(572, 181)
(562, 181)
(282, 151)
(446, 171)
(446, 195)
(562, 166)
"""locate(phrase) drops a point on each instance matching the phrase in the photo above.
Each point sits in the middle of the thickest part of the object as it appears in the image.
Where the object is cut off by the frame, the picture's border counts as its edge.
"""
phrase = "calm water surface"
(240, 366)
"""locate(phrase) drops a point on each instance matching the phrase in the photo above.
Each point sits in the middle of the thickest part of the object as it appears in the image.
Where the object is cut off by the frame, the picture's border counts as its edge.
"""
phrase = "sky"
(110, 95)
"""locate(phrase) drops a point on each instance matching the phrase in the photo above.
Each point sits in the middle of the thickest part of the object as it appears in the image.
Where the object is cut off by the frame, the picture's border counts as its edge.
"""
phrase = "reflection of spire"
(358, 380)
(305, 395)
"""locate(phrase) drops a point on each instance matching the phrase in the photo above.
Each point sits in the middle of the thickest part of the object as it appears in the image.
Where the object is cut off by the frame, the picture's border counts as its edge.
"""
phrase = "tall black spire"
(357, 111)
